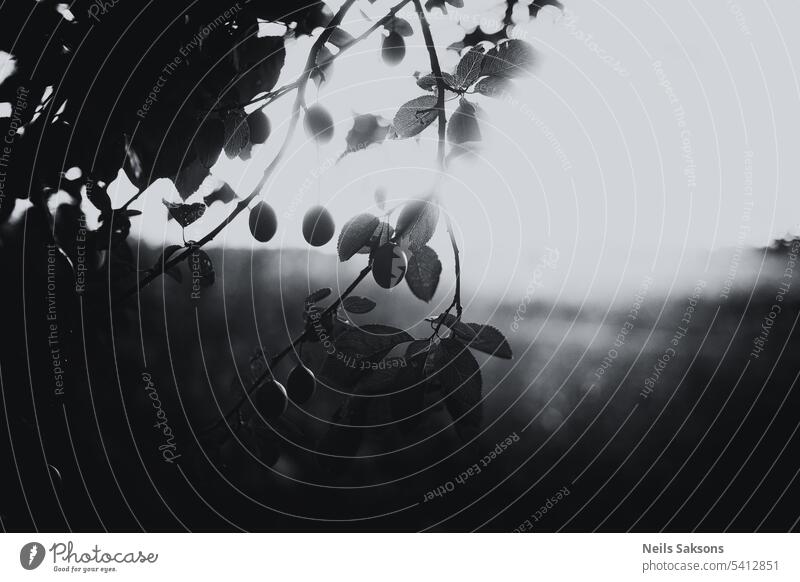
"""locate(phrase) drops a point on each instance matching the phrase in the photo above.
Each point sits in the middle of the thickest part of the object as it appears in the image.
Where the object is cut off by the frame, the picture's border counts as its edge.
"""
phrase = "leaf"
(222, 194)
(209, 142)
(496, 87)
(418, 348)
(355, 234)
(422, 275)
(401, 26)
(358, 305)
(428, 82)
(318, 295)
(367, 130)
(185, 214)
(485, 338)
(469, 68)
(190, 178)
(340, 38)
(441, 4)
(98, 197)
(417, 223)
(450, 320)
(463, 126)
(324, 64)
(383, 234)
(237, 133)
(414, 116)
(460, 378)
(508, 59)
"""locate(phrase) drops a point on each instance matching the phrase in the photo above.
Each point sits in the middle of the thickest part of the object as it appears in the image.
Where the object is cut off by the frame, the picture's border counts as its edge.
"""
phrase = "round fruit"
(263, 222)
(271, 400)
(318, 123)
(394, 49)
(301, 384)
(259, 127)
(389, 264)
(318, 226)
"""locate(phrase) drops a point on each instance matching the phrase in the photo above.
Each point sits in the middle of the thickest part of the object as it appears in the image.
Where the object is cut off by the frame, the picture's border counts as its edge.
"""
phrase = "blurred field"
(706, 425)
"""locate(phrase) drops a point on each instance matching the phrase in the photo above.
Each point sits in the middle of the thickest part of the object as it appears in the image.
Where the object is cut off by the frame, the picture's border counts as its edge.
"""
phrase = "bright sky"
(631, 149)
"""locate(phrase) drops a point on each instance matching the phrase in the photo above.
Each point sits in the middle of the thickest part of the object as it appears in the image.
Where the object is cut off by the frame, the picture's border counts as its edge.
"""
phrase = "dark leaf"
(367, 130)
(222, 194)
(469, 68)
(185, 214)
(414, 116)
(190, 178)
(424, 270)
(131, 213)
(209, 142)
(449, 320)
(355, 234)
(401, 26)
(463, 126)
(382, 234)
(98, 197)
(324, 66)
(460, 378)
(417, 223)
(508, 59)
(318, 295)
(340, 38)
(237, 133)
(358, 305)
(485, 338)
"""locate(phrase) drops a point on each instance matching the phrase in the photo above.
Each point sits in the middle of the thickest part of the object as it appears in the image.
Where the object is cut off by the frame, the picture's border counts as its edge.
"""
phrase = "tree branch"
(440, 94)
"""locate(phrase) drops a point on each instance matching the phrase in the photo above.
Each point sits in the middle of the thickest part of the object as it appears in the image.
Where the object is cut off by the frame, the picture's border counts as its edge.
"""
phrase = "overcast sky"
(650, 133)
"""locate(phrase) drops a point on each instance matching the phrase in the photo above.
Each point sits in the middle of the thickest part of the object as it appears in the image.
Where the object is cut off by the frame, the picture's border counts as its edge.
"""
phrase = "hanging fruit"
(263, 222)
(301, 384)
(318, 226)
